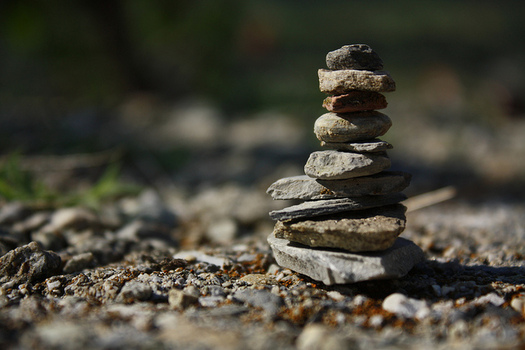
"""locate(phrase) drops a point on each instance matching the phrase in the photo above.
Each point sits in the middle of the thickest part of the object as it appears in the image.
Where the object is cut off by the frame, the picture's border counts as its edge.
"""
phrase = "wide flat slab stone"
(355, 101)
(338, 82)
(355, 56)
(354, 231)
(334, 165)
(375, 145)
(332, 206)
(337, 267)
(306, 188)
(351, 127)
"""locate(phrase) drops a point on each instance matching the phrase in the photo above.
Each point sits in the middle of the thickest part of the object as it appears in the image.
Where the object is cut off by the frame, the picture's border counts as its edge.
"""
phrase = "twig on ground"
(430, 198)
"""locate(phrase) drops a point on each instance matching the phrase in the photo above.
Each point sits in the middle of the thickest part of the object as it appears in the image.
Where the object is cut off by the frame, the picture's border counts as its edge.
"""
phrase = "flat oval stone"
(355, 101)
(338, 267)
(338, 82)
(305, 188)
(355, 231)
(356, 56)
(375, 145)
(358, 126)
(332, 206)
(334, 165)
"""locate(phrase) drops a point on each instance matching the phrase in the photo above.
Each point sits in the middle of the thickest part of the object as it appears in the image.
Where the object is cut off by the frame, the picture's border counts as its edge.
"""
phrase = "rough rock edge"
(321, 265)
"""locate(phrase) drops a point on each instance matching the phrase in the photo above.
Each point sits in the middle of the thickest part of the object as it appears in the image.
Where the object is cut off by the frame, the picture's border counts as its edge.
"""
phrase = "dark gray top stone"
(356, 56)
(332, 206)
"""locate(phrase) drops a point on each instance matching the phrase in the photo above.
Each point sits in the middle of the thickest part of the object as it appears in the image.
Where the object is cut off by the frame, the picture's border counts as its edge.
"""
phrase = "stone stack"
(347, 229)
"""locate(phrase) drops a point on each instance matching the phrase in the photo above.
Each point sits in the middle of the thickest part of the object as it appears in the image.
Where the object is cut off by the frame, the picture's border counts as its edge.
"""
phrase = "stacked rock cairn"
(347, 228)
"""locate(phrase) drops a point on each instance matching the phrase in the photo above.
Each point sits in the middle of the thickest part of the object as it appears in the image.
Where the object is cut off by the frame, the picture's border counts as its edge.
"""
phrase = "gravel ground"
(145, 274)
(194, 271)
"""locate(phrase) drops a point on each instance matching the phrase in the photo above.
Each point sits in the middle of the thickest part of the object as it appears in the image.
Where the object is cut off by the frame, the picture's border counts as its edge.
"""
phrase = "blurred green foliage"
(68, 67)
(18, 184)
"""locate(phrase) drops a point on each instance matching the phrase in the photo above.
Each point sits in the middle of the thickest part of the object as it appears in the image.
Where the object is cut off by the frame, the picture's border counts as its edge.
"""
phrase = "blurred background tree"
(69, 68)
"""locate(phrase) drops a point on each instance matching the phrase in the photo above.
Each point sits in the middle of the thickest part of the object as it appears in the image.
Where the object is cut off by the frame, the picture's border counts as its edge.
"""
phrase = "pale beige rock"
(258, 279)
(358, 126)
(338, 82)
(356, 231)
(181, 300)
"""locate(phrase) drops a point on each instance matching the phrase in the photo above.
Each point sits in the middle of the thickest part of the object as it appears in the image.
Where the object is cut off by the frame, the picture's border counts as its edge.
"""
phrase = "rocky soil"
(139, 275)
(187, 265)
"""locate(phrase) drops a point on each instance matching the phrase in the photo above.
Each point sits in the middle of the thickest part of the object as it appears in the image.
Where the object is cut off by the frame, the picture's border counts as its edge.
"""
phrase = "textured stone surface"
(334, 165)
(260, 298)
(28, 263)
(355, 231)
(356, 56)
(358, 126)
(134, 291)
(332, 206)
(79, 262)
(337, 267)
(375, 145)
(355, 101)
(306, 188)
(181, 300)
(338, 82)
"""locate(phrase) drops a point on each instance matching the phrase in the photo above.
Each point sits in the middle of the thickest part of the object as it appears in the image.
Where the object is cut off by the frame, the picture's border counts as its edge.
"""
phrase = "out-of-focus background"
(187, 95)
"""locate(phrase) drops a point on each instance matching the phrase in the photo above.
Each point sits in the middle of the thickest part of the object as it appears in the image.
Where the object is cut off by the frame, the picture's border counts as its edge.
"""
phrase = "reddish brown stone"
(355, 101)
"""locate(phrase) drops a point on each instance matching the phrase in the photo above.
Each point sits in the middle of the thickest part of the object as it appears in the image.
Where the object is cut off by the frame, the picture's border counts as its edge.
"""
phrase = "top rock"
(356, 56)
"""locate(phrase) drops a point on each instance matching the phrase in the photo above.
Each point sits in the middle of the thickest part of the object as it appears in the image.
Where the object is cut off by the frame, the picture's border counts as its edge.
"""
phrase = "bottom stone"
(337, 267)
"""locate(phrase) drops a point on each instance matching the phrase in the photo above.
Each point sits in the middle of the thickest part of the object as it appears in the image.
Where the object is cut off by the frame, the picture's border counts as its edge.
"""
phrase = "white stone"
(406, 307)
(492, 298)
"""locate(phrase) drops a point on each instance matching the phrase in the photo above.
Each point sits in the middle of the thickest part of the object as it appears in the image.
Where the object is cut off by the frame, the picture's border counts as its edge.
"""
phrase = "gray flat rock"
(355, 231)
(334, 165)
(375, 145)
(338, 82)
(356, 56)
(306, 188)
(351, 127)
(333, 206)
(336, 267)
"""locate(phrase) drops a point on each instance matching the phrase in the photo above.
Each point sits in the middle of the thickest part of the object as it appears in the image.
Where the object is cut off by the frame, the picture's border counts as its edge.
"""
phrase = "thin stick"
(430, 198)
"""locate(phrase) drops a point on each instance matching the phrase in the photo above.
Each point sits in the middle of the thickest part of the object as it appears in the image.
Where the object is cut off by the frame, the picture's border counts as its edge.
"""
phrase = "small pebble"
(406, 307)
